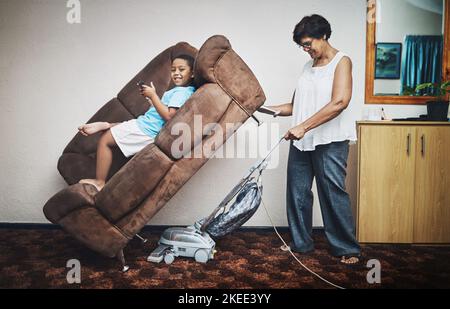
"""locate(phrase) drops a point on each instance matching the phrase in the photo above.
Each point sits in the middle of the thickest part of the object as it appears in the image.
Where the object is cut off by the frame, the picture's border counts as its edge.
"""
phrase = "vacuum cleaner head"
(183, 241)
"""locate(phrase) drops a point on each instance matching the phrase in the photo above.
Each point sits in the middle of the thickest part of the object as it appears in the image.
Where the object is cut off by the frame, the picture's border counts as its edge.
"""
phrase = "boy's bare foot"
(91, 128)
(99, 184)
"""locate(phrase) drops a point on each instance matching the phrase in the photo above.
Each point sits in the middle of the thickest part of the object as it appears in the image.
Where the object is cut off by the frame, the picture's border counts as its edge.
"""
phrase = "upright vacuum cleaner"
(197, 240)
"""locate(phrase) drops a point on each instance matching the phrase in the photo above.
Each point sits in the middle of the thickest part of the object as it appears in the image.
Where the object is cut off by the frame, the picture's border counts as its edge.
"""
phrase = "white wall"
(56, 75)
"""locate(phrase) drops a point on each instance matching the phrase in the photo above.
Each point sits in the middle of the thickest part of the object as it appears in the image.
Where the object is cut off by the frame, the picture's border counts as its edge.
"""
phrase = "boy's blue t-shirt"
(151, 122)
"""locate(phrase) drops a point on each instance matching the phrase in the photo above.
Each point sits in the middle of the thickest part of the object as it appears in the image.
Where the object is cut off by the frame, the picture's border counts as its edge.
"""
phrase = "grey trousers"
(327, 163)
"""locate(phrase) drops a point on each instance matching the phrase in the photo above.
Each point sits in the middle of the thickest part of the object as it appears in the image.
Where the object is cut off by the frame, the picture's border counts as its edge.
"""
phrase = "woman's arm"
(283, 109)
(341, 96)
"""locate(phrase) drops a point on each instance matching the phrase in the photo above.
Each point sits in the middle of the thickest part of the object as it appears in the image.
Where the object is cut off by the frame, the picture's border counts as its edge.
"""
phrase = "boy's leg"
(299, 199)
(104, 160)
(94, 127)
(104, 155)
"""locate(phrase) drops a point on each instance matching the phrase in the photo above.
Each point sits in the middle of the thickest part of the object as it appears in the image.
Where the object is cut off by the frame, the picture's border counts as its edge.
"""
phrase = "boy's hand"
(148, 91)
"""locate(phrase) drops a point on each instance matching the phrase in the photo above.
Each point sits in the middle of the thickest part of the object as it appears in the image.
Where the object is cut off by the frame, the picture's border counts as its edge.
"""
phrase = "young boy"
(133, 135)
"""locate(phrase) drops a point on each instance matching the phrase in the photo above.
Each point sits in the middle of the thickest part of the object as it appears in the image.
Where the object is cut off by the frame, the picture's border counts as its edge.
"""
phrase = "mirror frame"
(370, 98)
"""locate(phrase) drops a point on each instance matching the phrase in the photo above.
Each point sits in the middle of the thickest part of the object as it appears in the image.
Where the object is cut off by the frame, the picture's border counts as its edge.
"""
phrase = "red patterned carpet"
(36, 258)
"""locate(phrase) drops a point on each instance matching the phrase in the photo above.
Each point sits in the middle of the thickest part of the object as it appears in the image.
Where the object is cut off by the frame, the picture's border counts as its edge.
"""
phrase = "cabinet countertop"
(415, 123)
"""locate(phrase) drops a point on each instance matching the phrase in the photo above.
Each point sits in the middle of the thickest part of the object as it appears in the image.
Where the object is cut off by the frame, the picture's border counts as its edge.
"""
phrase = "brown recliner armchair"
(105, 221)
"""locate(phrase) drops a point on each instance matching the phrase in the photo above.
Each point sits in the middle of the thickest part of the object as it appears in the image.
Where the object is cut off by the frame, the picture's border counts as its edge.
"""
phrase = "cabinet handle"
(408, 144)
(422, 139)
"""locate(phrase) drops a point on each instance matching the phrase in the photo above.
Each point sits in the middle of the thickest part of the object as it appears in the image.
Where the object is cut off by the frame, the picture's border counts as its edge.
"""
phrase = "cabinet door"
(386, 183)
(432, 196)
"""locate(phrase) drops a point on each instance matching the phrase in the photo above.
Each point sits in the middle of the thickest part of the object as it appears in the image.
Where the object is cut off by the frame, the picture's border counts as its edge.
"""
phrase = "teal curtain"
(421, 60)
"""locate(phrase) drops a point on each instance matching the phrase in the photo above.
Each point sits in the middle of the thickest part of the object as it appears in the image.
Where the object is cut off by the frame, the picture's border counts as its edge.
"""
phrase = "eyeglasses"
(306, 45)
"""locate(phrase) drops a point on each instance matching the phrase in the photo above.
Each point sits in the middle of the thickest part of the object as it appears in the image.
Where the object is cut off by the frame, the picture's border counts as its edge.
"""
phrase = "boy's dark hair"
(190, 60)
(314, 26)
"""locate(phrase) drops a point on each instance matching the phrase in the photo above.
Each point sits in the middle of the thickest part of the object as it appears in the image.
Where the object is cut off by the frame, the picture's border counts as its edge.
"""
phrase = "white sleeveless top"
(313, 92)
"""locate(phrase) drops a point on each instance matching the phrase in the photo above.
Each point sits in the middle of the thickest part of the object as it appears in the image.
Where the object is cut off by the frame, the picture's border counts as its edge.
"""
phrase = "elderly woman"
(322, 129)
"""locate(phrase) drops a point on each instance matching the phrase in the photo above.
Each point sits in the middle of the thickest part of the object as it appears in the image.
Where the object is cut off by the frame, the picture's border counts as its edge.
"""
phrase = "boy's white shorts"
(130, 138)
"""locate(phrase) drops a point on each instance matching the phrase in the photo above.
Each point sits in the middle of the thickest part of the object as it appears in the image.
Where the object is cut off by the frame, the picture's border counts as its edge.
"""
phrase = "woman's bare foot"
(91, 128)
(285, 248)
(350, 260)
(99, 184)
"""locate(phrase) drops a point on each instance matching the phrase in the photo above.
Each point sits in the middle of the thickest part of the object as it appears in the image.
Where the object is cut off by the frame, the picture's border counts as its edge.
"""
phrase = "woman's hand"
(295, 133)
(148, 91)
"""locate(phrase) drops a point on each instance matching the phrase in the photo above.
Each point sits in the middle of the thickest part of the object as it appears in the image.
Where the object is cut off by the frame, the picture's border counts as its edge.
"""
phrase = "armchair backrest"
(223, 78)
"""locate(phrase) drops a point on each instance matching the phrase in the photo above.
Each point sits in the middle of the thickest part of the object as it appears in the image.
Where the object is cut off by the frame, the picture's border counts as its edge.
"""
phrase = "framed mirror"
(408, 43)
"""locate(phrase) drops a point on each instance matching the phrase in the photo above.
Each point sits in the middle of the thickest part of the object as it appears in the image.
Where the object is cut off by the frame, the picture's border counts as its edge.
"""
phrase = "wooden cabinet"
(403, 182)
(432, 185)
